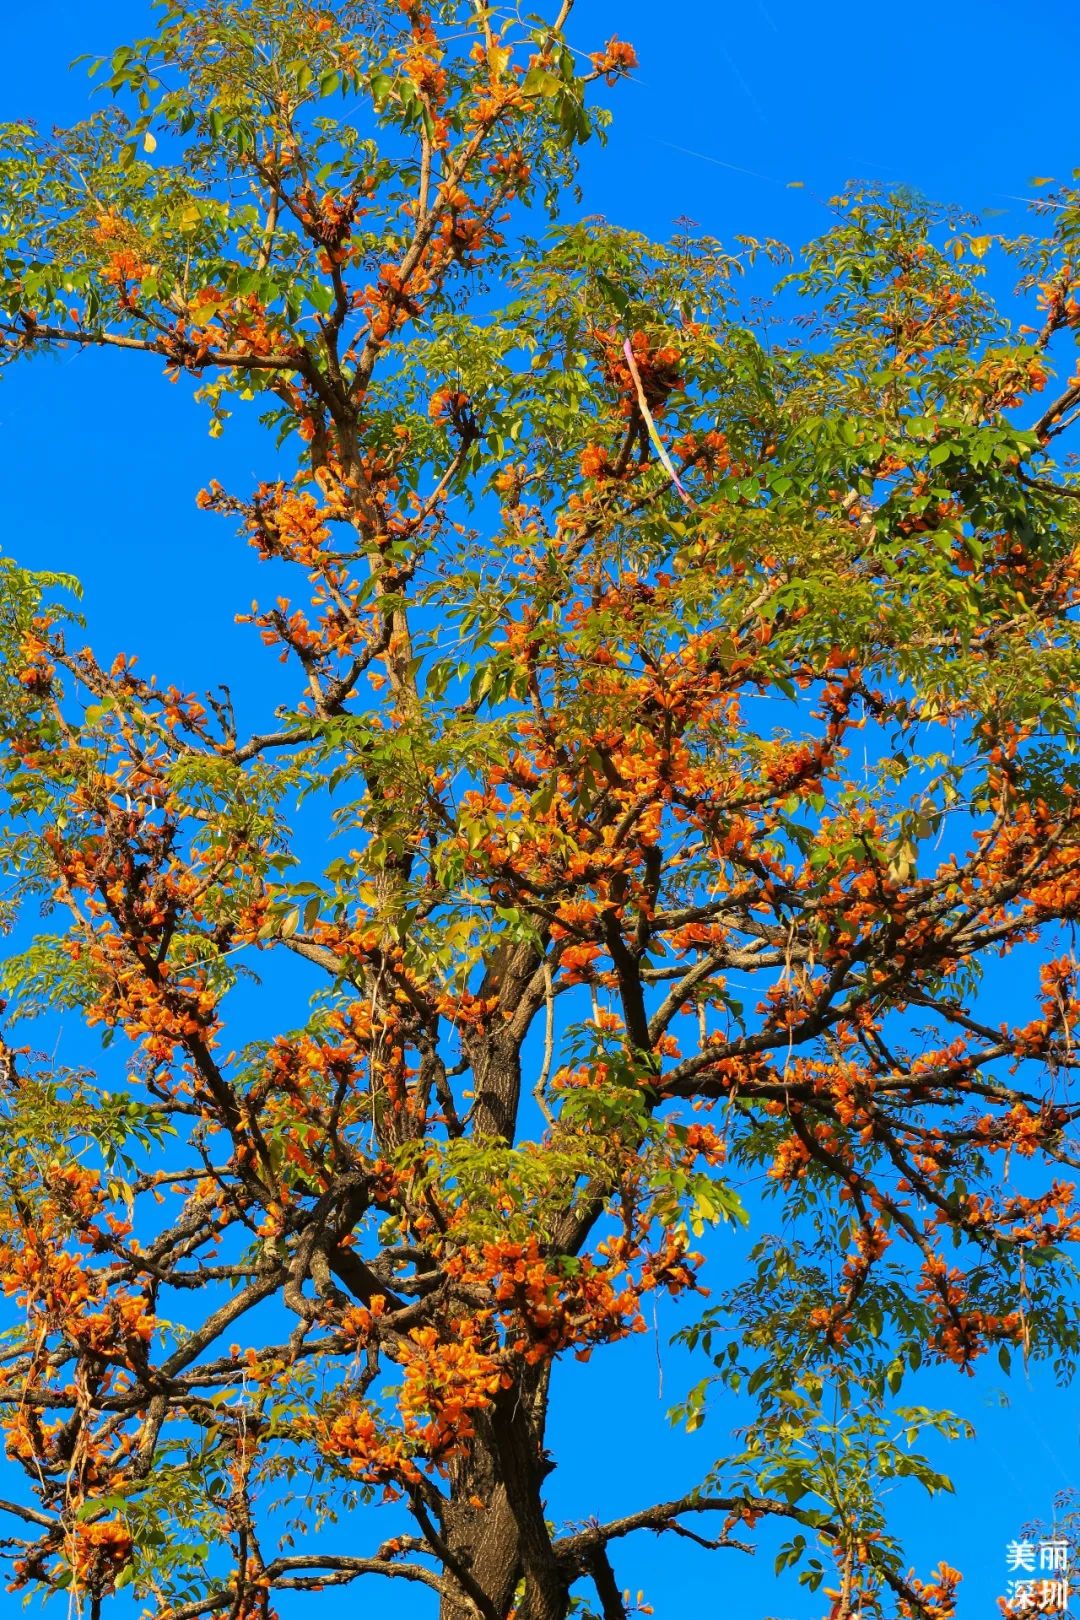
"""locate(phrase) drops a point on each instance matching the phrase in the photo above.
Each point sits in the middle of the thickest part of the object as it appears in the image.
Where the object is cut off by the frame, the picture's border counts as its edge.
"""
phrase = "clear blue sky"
(965, 100)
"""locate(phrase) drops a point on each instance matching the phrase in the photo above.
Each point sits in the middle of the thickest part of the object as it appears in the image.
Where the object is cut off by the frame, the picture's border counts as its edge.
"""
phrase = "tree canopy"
(683, 728)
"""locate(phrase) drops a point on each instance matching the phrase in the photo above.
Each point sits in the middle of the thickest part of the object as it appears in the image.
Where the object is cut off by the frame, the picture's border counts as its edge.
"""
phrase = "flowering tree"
(637, 659)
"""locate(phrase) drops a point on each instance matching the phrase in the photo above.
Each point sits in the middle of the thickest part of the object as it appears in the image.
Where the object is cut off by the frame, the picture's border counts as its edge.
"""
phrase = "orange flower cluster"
(101, 1551)
(448, 1377)
(374, 1453)
(960, 1335)
(658, 368)
(329, 220)
(449, 405)
(422, 61)
(615, 60)
(37, 670)
(707, 451)
(70, 1298)
(512, 172)
(125, 262)
(790, 1162)
(545, 1309)
(595, 462)
(937, 1597)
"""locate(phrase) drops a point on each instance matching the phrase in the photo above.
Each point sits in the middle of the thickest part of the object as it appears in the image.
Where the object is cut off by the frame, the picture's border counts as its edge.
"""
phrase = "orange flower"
(615, 60)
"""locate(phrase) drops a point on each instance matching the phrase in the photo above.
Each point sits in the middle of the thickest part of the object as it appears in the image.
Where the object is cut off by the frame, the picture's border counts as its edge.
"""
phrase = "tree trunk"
(504, 1541)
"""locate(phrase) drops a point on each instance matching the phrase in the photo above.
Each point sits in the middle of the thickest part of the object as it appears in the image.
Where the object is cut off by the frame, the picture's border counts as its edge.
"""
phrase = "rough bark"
(495, 1527)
